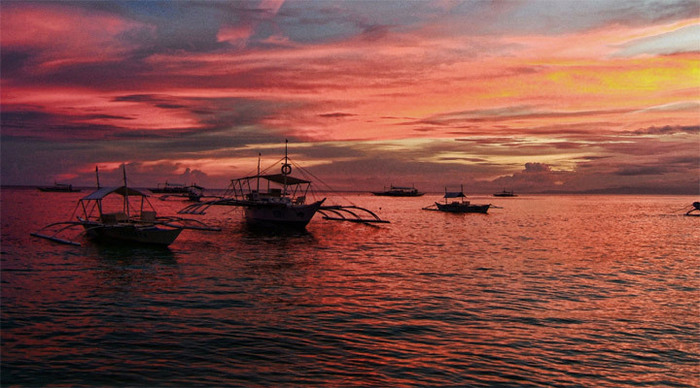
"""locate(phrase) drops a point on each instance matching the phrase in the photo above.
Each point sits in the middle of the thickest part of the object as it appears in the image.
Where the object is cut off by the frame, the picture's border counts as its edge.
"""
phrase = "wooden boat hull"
(462, 208)
(148, 234)
(280, 215)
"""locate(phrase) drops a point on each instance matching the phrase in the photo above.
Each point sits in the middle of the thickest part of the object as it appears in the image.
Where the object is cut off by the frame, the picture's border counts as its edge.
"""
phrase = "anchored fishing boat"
(398, 191)
(109, 214)
(460, 206)
(282, 206)
(695, 211)
(169, 188)
(191, 193)
(59, 188)
(505, 193)
(273, 200)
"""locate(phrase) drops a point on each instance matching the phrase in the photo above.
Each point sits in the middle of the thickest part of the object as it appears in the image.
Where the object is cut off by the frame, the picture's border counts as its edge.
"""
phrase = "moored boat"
(169, 188)
(284, 206)
(398, 191)
(695, 211)
(191, 193)
(460, 206)
(280, 200)
(59, 188)
(105, 217)
(124, 224)
(505, 193)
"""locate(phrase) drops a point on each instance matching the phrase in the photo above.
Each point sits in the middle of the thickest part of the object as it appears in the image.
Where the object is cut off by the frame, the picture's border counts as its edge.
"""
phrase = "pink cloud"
(517, 97)
(62, 36)
(235, 35)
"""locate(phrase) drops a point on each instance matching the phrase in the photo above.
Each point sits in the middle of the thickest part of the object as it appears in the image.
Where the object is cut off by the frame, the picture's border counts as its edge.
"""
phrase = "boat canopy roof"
(277, 178)
(457, 194)
(105, 191)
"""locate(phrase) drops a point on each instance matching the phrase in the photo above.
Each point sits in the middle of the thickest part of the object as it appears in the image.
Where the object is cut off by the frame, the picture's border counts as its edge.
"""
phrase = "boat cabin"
(272, 188)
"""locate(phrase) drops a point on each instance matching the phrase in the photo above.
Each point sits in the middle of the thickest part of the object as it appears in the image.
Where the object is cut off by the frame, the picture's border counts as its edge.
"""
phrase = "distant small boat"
(59, 188)
(695, 211)
(192, 193)
(505, 193)
(174, 188)
(119, 221)
(398, 191)
(460, 206)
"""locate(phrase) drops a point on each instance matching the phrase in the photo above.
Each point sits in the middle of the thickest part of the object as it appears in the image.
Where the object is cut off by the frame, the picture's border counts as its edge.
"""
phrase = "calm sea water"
(596, 291)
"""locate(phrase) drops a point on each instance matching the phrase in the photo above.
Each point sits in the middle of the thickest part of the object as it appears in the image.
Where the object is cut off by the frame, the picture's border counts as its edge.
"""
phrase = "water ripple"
(548, 291)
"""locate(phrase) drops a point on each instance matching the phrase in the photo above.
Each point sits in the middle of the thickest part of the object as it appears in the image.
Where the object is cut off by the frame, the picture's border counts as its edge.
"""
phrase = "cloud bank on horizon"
(524, 95)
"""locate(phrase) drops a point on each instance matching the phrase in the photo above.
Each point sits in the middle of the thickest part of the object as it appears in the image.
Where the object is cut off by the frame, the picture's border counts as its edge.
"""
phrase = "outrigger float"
(105, 218)
(280, 200)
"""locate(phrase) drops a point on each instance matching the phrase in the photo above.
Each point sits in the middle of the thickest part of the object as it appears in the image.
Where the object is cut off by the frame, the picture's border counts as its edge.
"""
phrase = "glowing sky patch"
(417, 91)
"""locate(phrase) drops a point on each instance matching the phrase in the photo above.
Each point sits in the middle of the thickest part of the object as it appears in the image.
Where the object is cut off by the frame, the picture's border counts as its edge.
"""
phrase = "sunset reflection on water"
(542, 291)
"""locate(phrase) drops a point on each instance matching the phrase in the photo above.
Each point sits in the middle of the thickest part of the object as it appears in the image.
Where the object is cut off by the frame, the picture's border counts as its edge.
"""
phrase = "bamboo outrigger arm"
(346, 213)
(54, 235)
(202, 207)
(333, 213)
(186, 223)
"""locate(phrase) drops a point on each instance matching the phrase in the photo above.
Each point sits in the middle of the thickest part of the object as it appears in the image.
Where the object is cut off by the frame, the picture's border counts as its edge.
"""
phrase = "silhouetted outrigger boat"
(169, 188)
(59, 188)
(105, 218)
(505, 193)
(695, 211)
(280, 200)
(397, 191)
(191, 193)
(460, 206)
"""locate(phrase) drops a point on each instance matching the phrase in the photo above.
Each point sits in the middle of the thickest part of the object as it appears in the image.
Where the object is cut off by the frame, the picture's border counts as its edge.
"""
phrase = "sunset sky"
(525, 95)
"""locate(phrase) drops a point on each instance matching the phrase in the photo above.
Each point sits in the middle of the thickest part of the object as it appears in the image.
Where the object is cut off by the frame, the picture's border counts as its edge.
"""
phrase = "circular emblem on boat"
(286, 169)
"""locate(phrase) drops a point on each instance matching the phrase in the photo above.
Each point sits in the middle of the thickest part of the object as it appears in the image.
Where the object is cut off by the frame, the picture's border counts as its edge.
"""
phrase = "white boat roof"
(277, 178)
(105, 191)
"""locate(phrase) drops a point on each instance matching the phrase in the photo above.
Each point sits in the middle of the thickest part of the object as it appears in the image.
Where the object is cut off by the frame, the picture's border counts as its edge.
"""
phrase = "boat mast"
(126, 192)
(257, 188)
(284, 167)
(99, 202)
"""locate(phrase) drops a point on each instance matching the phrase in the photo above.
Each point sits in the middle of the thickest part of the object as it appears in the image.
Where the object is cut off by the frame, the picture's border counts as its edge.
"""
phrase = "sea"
(543, 291)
